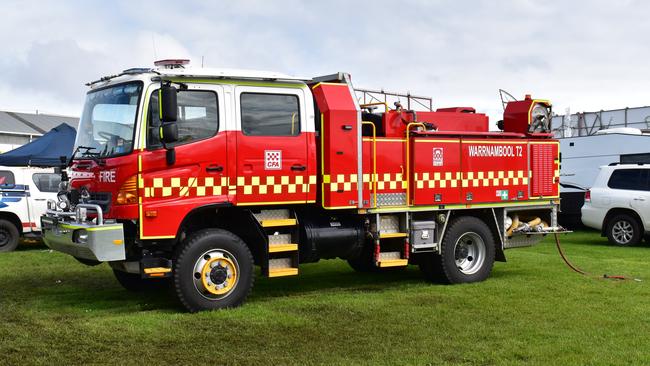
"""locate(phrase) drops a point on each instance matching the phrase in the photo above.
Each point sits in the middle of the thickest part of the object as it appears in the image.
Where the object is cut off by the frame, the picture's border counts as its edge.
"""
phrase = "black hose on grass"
(585, 273)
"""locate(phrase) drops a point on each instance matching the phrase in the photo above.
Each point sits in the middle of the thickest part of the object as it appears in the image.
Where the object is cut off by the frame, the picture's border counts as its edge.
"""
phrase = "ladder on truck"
(281, 229)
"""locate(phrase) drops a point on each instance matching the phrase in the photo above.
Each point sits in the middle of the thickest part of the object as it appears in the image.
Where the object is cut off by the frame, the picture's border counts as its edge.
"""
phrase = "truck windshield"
(108, 121)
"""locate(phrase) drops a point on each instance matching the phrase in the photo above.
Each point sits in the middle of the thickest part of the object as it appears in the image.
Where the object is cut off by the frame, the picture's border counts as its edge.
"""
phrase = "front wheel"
(213, 270)
(467, 253)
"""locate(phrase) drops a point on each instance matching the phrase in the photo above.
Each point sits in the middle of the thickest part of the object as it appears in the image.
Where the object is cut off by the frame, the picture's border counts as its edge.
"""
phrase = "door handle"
(299, 168)
(214, 168)
(639, 199)
(39, 199)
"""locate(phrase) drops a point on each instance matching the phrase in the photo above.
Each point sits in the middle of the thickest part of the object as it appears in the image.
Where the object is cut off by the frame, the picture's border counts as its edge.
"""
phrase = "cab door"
(198, 176)
(272, 139)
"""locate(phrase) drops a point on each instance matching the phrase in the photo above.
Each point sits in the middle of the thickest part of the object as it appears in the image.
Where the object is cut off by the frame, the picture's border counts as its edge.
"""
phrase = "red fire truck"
(193, 176)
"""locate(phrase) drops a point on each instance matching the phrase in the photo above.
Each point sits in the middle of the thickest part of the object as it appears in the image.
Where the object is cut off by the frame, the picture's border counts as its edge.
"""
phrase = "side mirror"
(168, 132)
(168, 107)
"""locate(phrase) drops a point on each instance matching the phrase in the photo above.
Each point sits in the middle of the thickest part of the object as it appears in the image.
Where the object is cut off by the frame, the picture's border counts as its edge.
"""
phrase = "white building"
(17, 129)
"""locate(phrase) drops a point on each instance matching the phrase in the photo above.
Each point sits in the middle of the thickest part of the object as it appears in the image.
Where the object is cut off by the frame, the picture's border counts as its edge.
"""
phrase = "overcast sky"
(586, 55)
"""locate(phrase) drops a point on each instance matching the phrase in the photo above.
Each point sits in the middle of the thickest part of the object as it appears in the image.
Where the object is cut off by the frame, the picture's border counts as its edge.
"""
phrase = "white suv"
(619, 203)
(23, 199)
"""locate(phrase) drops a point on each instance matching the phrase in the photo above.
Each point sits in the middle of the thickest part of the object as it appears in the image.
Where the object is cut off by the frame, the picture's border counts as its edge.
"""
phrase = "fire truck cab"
(197, 175)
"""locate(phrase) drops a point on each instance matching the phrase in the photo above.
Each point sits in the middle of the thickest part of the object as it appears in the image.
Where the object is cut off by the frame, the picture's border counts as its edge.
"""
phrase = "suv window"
(270, 114)
(631, 179)
(198, 117)
(47, 182)
(7, 179)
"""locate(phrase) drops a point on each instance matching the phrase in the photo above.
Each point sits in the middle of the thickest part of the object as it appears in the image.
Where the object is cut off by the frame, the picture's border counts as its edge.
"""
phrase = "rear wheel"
(134, 282)
(213, 270)
(9, 236)
(624, 230)
(467, 253)
(365, 262)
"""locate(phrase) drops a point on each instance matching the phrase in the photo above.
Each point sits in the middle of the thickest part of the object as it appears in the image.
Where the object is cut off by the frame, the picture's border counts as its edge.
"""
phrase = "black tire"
(468, 240)
(365, 262)
(9, 236)
(624, 230)
(231, 258)
(431, 267)
(135, 283)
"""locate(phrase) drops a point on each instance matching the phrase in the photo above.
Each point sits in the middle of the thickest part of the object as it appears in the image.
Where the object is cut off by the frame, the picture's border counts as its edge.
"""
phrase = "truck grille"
(103, 199)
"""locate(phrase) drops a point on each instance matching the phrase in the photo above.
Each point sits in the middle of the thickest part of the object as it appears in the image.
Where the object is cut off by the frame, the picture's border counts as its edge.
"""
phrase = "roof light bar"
(172, 63)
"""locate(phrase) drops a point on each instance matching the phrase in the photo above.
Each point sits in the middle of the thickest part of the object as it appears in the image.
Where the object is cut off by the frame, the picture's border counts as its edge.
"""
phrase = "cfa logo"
(272, 159)
(107, 176)
(438, 157)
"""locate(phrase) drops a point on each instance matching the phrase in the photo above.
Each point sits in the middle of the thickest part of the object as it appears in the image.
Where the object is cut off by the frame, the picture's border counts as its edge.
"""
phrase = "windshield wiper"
(84, 154)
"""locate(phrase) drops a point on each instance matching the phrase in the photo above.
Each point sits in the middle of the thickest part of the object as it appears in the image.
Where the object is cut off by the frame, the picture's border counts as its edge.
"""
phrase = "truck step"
(281, 272)
(385, 235)
(394, 263)
(384, 256)
(278, 222)
(281, 267)
(277, 238)
(389, 224)
(279, 248)
(272, 214)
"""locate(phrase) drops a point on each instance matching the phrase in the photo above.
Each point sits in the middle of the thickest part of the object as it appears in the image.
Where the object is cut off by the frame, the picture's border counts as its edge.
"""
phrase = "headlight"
(63, 205)
(80, 236)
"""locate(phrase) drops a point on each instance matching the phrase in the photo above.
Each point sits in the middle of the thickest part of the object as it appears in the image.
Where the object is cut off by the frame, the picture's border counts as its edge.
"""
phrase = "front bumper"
(103, 242)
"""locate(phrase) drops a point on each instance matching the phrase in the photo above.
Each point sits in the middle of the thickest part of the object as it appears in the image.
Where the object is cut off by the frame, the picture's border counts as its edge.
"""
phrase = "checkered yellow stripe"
(471, 179)
(277, 185)
(186, 186)
(207, 186)
(348, 182)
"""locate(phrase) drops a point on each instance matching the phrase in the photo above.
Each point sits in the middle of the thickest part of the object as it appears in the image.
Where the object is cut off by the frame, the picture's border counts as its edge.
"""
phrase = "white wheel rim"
(469, 253)
(622, 231)
(210, 284)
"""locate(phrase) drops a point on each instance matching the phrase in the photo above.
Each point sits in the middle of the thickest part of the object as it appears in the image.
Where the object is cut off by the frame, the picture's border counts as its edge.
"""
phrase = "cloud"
(584, 54)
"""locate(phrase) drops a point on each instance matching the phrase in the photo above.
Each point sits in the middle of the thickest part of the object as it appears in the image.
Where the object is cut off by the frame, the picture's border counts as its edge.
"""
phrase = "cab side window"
(7, 179)
(198, 117)
(47, 182)
(270, 114)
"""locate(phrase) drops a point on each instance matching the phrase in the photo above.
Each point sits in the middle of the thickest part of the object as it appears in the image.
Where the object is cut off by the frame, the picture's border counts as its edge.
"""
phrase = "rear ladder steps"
(279, 243)
(392, 235)
(392, 259)
(280, 267)
(281, 228)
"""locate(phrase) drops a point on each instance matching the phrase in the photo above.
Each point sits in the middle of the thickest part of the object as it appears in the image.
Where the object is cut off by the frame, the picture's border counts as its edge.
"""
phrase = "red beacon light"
(172, 63)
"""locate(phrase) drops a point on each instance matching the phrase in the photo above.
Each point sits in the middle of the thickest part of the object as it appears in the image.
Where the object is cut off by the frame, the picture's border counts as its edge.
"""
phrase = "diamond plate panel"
(390, 199)
(272, 215)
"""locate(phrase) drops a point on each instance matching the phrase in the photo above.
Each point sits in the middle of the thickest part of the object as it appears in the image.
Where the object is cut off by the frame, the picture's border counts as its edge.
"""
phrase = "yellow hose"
(515, 224)
(536, 221)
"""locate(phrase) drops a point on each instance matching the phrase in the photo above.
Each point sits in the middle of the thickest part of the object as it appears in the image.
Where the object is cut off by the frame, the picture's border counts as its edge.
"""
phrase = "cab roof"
(209, 73)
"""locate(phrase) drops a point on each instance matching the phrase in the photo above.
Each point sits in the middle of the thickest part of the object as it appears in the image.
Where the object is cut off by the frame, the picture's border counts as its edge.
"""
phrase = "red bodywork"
(460, 164)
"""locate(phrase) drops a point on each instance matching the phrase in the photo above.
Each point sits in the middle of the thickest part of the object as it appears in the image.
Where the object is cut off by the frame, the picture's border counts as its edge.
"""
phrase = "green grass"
(532, 310)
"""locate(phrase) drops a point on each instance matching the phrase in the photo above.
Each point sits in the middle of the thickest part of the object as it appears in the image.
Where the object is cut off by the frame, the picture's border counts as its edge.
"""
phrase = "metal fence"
(588, 123)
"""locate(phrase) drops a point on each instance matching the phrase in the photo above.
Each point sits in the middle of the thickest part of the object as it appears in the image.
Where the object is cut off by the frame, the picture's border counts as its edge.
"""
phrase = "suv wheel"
(9, 236)
(623, 230)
